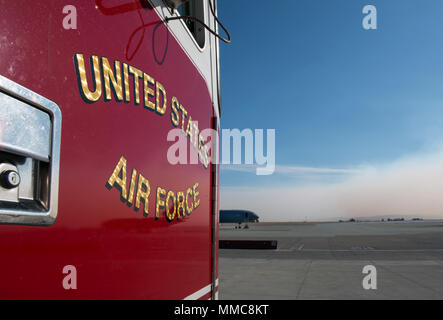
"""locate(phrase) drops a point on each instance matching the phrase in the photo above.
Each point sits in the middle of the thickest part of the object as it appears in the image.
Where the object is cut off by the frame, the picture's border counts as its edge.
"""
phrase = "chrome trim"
(217, 61)
(34, 217)
(214, 187)
(214, 211)
(28, 129)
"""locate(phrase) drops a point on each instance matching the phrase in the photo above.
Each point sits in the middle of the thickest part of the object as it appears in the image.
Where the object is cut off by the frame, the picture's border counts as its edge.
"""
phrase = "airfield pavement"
(326, 260)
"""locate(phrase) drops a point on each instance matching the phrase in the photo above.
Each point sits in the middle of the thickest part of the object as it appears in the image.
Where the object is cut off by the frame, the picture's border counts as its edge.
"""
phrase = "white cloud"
(295, 170)
(410, 187)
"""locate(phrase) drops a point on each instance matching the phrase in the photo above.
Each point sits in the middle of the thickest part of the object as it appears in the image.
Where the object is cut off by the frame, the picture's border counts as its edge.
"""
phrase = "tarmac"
(326, 261)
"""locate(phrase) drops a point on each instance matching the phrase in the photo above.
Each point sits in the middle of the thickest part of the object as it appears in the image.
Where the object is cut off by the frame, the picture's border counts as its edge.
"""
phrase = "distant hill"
(383, 217)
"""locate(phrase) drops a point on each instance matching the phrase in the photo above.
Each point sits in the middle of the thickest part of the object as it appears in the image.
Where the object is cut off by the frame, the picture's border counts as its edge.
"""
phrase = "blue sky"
(339, 96)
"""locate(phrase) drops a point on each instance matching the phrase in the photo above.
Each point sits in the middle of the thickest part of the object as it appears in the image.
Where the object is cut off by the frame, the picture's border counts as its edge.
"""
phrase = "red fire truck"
(90, 206)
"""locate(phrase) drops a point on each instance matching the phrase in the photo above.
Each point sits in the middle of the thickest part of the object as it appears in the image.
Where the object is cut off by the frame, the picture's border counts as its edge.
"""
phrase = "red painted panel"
(117, 251)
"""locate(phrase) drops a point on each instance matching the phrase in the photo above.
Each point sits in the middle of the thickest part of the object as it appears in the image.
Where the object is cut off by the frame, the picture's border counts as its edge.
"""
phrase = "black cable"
(226, 40)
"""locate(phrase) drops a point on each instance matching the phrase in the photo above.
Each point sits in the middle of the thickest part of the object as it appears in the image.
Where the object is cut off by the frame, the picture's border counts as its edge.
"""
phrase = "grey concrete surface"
(325, 261)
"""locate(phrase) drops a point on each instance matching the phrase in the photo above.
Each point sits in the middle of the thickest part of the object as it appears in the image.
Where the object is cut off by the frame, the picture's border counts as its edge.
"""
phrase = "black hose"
(226, 40)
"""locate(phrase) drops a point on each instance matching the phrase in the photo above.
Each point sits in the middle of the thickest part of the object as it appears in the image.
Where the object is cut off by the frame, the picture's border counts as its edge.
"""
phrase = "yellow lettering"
(170, 214)
(143, 194)
(149, 92)
(184, 115)
(87, 95)
(137, 75)
(196, 194)
(116, 179)
(132, 187)
(114, 78)
(174, 114)
(126, 81)
(189, 209)
(160, 90)
(180, 204)
(160, 203)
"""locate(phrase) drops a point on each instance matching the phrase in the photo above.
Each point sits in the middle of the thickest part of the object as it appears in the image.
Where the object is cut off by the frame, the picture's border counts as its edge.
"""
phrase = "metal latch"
(30, 133)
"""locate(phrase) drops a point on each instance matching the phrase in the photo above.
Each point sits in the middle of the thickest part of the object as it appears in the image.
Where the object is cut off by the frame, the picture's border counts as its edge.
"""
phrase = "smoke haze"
(407, 187)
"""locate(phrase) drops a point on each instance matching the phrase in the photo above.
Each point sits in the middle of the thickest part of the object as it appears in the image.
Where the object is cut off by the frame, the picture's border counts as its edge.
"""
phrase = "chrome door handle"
(30, 133)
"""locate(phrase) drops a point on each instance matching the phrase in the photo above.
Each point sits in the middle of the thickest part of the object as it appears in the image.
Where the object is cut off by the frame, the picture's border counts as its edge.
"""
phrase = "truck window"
(195, 9)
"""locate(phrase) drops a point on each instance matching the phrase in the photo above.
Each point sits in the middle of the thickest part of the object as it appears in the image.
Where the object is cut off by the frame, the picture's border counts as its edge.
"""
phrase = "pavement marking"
(355, 249)
(291, 249)
(374, 250)
(304, 279)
